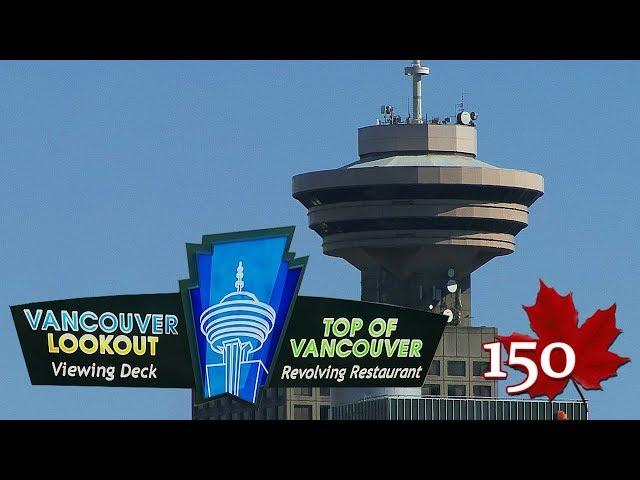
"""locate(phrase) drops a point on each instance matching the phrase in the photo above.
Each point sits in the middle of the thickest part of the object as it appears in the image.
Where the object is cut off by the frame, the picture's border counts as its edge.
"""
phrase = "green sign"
(344, 343)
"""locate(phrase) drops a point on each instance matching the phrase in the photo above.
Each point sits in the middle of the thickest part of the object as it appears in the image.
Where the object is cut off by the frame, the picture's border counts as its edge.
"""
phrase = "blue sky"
(109, 168)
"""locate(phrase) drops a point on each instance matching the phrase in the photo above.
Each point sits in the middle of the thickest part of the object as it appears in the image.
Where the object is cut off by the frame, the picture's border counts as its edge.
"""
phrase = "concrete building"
(417, 213)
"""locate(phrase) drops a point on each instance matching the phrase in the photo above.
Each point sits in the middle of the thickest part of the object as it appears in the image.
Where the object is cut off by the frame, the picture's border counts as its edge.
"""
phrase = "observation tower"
(418, 212)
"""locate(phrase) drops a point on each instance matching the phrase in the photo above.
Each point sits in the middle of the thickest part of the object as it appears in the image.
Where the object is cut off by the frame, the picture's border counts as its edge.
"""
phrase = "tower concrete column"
(420, 290)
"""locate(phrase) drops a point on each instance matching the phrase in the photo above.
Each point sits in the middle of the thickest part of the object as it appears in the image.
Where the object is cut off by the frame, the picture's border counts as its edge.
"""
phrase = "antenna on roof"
(461, 104)
(416, 71)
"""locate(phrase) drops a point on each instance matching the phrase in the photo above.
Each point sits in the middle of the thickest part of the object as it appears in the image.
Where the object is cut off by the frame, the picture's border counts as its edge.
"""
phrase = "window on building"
(281, 415)
(305, 391)
(431, 389)
(479, 368)
(325, 391)
(271, 413)
(456, 390)
(482, 390)
(324, 412)
(434, 368)
(302, 412)
(456, 368)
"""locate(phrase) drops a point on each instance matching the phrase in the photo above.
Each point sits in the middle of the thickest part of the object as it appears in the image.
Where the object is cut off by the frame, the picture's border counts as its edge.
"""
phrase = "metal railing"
(457, 408)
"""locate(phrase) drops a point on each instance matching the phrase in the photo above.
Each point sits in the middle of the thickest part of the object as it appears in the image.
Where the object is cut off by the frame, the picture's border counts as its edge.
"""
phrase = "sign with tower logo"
(238, 298)
(236, 326)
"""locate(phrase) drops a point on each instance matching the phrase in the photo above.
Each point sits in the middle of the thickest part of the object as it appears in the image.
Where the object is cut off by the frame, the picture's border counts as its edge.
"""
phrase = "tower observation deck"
(418, 212)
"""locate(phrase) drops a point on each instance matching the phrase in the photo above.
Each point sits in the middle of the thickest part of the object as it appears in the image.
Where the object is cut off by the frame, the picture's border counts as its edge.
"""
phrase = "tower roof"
(418, 198)
(427, 160)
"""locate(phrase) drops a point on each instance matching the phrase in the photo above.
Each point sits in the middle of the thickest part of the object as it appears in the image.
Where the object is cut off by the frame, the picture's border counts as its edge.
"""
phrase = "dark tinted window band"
(493, 193)
(488, 225)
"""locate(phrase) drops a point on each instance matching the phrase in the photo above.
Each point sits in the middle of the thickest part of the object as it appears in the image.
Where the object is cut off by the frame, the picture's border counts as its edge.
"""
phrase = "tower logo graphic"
(235, 328)
(234, 333)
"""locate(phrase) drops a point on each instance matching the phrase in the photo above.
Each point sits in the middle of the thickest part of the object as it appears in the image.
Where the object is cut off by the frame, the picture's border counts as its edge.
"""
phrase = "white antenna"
(416, 71)
(239, 276)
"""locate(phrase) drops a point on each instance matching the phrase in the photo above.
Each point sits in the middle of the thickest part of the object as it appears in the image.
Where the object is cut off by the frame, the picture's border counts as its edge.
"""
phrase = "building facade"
(274, 404)
(459, 364)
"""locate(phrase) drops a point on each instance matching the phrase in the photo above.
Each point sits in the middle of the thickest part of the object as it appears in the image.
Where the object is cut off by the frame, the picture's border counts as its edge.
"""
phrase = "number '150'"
(495, 372)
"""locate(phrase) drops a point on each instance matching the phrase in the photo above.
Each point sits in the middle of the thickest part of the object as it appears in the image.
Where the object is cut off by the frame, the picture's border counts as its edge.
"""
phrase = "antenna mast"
(416, 71)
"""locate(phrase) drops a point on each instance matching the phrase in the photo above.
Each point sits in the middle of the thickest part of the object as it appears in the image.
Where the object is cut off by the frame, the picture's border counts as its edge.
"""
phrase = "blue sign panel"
(238, 298)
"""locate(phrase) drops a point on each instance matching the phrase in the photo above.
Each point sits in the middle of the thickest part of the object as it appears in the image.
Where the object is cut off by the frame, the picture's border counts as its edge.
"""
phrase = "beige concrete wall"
(452, 138)
(392, 138)
(382, 209)
(315, 401)
(356, 177)
(462, 344)
(378, 139)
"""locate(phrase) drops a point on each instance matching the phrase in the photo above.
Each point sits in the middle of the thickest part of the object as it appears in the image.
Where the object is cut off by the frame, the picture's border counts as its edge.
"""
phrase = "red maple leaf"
(554, 319)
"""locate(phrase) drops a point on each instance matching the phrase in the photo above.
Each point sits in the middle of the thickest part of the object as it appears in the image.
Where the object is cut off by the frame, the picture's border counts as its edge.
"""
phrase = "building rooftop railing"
(423, 407)
(437, 397)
